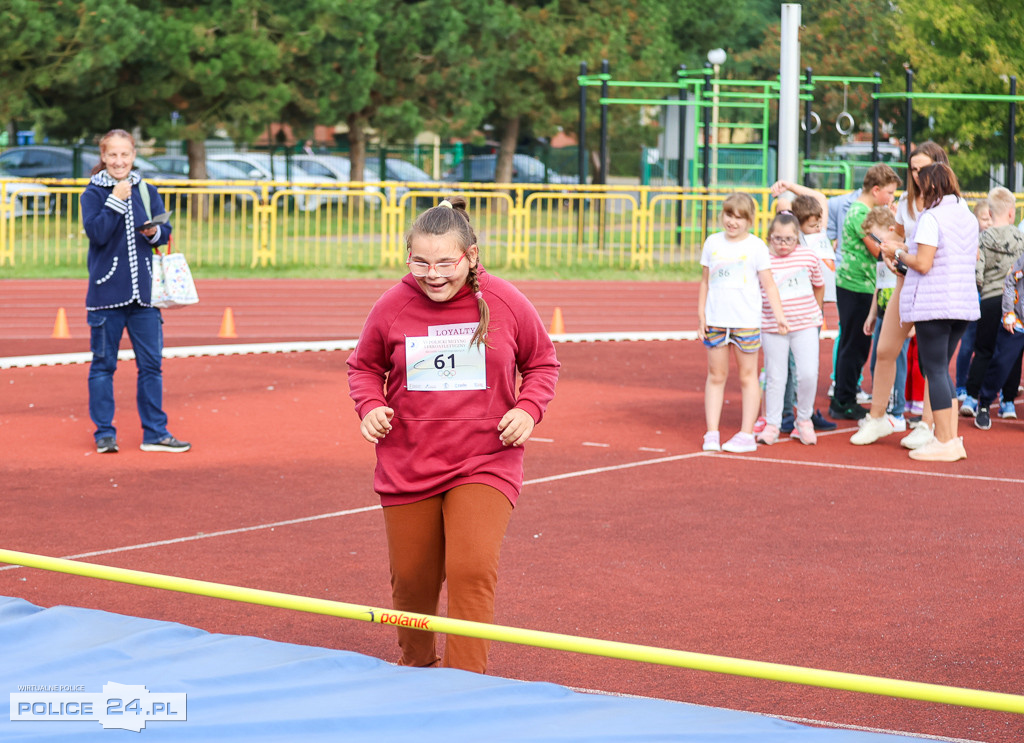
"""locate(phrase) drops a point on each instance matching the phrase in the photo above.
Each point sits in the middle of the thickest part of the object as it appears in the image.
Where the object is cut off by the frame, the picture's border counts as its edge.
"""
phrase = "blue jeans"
(1000, 373)
(145, 329)
(898, 398)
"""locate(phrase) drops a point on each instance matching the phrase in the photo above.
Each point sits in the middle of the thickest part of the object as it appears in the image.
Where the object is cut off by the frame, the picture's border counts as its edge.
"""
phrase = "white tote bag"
(172, 281)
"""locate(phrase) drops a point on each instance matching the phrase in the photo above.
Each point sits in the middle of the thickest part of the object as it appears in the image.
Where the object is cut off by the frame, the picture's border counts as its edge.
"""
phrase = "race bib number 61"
(444, 364)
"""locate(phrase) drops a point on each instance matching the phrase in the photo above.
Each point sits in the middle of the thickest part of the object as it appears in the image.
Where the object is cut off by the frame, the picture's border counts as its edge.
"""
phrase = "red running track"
(839, 557)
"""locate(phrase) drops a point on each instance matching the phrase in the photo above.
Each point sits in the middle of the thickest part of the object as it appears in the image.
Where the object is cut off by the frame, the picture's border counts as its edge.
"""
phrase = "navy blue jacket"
(120, 261)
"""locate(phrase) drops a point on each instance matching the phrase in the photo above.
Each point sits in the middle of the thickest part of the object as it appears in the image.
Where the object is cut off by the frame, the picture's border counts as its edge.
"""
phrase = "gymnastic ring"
(845, 130)
(817, 123)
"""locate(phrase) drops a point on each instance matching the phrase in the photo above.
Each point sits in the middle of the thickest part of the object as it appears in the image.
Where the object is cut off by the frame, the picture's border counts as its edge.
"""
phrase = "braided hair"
(451, 218)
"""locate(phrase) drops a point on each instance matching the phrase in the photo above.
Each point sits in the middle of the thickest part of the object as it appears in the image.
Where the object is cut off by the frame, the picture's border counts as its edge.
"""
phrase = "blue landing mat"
(249, 689)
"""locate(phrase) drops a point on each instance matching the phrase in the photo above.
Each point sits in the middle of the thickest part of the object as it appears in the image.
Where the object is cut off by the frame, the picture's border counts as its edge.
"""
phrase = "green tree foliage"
(59, 61)
(853, 38)
(972, 46)
(215, 63)
(537, 63)
(424, 74)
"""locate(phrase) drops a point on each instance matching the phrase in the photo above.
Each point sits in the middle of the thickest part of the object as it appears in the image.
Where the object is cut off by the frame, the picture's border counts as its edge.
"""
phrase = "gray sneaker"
(106, 445)
(169, 444)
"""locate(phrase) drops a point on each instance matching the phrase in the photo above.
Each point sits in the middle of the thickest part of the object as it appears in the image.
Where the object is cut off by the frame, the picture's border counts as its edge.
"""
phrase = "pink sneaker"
(768, 435)
(712, 442)
(759, 424)
(741, 443)
(804, 432)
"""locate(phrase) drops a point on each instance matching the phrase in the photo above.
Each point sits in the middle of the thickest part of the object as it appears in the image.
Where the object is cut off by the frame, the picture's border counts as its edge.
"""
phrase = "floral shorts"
(748, 340)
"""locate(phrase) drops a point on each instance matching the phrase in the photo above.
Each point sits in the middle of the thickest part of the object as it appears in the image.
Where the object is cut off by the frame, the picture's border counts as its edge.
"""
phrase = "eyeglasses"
(445, 269)
(780, 240)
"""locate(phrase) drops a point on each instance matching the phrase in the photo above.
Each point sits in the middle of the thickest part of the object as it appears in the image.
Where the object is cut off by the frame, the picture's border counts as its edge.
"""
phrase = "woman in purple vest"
(940, 297)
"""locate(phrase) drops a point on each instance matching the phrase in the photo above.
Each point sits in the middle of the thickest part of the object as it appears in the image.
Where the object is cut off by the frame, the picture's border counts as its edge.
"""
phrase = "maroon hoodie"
(441, 438)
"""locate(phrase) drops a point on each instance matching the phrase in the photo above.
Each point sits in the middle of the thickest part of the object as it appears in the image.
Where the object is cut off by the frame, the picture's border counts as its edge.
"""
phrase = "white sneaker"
(712, 441)
(872, 429)
(921, 434)
(899, 423)
(863, 398)
(951, 451)
(741, 443)
(832, 389)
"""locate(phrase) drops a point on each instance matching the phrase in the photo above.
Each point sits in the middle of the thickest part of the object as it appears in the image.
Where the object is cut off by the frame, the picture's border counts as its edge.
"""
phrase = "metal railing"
(363, 225)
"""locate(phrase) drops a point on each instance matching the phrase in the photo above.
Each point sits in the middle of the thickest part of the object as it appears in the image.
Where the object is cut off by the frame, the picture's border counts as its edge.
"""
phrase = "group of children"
(755, 295)
(995, 364)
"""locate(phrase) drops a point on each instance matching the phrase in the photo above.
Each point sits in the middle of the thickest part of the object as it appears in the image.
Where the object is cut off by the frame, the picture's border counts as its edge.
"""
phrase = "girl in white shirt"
(736, 267)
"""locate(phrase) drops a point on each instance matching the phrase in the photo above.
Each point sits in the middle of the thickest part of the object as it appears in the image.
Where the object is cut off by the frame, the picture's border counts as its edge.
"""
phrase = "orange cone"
(227, 325)
(557, 324)
(60, 327)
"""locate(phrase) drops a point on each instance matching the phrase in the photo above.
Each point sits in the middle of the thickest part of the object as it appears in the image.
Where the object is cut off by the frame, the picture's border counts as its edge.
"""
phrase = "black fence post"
(909, 113)
(581, 154)
(1011, 175)
(808, 110)
(605, 69)
(875, 118)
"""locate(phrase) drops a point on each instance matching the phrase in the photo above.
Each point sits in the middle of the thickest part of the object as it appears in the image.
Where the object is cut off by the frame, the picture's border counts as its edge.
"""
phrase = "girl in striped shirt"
(797, 273)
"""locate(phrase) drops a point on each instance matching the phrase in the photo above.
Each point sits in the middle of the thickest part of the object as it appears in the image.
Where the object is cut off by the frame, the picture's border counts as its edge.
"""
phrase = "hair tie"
(479, 295)
(446, 203)
(785, 211)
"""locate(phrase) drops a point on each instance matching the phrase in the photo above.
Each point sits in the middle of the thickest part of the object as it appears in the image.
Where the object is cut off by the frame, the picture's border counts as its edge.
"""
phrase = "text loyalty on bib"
(443, 360)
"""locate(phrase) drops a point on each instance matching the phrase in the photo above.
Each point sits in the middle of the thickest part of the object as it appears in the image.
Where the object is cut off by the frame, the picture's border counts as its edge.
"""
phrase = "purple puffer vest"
(948, 290)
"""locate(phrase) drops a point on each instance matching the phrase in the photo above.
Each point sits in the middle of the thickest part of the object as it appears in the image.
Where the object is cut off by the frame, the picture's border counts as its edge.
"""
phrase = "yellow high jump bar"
(697, 661)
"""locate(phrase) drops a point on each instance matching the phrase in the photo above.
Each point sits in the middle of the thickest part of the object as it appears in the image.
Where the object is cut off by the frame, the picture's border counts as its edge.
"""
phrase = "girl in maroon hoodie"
(434, 382)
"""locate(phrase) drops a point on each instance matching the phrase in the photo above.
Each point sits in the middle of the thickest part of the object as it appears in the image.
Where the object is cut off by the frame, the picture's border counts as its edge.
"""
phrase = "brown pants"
(456, 535)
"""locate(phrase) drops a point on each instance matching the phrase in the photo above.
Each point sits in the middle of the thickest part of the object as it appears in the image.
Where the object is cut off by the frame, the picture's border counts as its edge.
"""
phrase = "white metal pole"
(714, 129)
(789, 94)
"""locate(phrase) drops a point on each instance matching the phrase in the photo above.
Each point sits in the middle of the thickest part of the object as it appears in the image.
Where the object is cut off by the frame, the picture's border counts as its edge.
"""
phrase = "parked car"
(399, 170)
(396, 169)
(260, 166)
(338, 168)
(48, 161)
(215, 170)
(525, 169)
(25, 197)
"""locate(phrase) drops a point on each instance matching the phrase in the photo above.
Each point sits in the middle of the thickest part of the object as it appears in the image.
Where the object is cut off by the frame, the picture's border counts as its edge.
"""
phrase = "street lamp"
(717, 58)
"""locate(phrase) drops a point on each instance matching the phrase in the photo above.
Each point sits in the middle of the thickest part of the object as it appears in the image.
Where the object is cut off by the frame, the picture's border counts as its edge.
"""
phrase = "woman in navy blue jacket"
(120, 290)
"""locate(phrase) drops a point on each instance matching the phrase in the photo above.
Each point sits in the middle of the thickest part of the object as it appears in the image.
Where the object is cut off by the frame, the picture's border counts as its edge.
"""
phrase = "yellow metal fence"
(357, 225)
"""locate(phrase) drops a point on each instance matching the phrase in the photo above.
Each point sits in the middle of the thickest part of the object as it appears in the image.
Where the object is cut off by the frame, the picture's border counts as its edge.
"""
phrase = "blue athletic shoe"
(961, 393)
(969, 408)
(821, 423)
(1006, 410)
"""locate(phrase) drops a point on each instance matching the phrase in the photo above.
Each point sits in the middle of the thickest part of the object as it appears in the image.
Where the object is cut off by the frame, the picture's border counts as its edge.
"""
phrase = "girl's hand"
(123, 190)
(779, 187)
(1009, 320)
(783, 325)
(376, 424)
(150, 232)
(515, 427)
(702, 330)
(869, 326)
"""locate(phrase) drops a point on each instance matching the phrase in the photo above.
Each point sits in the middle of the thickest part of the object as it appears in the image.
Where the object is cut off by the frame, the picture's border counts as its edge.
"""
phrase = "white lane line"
(864, 468)
(651, 449)
(614, 467)
(594, 443)
(226, 532)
